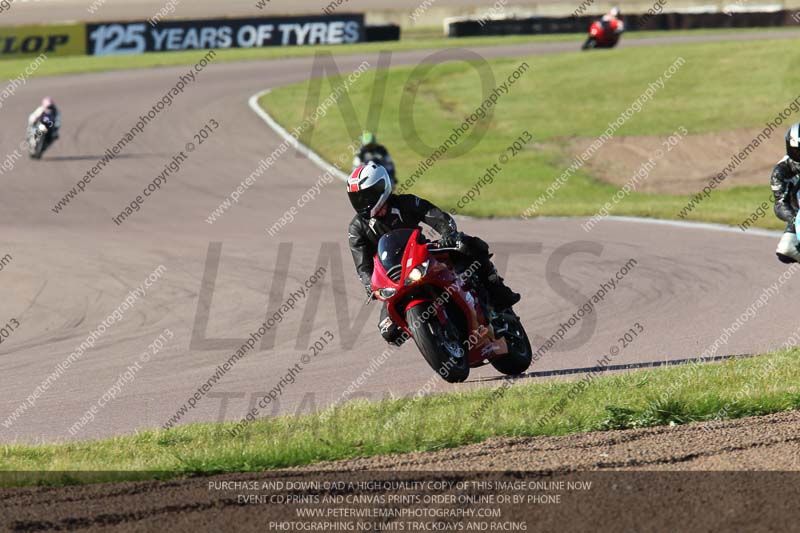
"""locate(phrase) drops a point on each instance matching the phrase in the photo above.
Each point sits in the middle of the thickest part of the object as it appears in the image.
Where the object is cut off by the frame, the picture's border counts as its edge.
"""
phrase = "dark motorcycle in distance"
(379, 159)
(602, 35)
(444, 309)
(39, 137)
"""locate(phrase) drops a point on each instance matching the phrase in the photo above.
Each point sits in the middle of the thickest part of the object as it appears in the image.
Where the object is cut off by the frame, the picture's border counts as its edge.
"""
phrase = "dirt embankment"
(617, 473)
(686, 167)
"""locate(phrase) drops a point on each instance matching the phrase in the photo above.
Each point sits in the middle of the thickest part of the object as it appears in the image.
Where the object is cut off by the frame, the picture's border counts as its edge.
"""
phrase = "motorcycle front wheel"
(35, 150)
(441, 347)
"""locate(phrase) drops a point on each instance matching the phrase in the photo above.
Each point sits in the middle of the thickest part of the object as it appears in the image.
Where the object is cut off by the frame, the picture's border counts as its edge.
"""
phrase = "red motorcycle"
(602, 34)
(444, 309)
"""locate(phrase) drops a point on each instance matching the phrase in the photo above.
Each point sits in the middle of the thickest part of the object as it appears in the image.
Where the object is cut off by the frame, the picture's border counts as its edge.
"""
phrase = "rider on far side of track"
(50, 115)
(372, 150)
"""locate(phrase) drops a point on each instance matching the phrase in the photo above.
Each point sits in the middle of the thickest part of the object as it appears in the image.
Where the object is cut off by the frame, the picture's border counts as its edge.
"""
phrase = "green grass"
(672, 395)
(561, 98)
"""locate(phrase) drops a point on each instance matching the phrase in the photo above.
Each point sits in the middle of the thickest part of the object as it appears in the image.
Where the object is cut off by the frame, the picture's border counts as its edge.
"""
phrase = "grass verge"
(667, 395)
(560, 98)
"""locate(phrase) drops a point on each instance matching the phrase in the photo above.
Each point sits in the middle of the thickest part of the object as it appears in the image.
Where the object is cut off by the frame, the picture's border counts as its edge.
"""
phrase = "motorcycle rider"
(372, 151)
(612, 21)
(610, 25)
(784, 183)
(50, 116)
(378, 212)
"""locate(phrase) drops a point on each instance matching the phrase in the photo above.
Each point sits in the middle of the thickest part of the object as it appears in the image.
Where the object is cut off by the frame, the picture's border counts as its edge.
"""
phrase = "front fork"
(438, 308)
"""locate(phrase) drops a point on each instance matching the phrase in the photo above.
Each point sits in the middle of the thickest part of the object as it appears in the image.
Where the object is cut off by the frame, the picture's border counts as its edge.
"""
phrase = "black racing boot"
(788, 250)
(392, 333)
(501, 295)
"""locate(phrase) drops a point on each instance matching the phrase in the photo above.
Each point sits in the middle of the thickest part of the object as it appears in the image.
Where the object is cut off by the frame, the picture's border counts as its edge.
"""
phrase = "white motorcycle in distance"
(788, 250)
(37, 137)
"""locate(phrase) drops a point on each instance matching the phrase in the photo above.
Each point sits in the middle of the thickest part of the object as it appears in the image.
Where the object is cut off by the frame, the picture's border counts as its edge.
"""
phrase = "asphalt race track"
(71, 270)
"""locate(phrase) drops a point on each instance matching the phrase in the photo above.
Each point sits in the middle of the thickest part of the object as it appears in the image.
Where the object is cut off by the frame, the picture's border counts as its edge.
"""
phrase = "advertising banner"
(56, 40)
(141, 37)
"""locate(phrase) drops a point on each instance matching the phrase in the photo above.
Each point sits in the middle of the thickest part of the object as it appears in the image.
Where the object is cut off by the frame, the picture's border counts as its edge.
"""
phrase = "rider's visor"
(364, 200)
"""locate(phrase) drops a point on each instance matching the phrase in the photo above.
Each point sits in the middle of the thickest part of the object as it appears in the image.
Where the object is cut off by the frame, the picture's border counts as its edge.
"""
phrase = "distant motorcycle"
(602, 35)
(379, 159)
(447, 316)
(38, 137)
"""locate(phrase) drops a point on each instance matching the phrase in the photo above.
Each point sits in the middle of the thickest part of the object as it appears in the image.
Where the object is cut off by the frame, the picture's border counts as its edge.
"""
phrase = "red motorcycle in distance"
(603, 34)
(444, 311)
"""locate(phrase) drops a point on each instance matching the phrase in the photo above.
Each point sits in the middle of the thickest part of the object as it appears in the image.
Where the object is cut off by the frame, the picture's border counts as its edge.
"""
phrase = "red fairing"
(441, 278)
(379, 278)
(603, 37)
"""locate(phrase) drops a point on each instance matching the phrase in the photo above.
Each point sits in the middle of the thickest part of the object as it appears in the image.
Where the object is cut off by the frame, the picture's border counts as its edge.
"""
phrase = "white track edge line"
(685, 224)
(289, 138)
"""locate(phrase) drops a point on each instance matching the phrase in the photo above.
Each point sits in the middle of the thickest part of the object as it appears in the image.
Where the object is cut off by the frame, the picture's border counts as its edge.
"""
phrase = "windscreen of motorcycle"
(391, 247)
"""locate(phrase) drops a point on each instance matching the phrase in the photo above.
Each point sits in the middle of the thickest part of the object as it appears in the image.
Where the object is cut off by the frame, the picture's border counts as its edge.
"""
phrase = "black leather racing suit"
(404, 211)
(784, 183)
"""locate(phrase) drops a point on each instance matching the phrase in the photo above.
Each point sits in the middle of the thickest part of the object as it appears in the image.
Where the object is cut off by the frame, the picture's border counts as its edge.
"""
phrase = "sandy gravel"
(685, 164)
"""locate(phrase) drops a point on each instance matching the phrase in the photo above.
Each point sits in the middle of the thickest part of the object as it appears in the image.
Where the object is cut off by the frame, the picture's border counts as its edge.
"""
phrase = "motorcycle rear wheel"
(520, 353)
(436, 346)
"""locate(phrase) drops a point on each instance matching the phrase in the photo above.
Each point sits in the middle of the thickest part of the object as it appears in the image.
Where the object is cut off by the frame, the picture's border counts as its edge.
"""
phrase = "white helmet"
(368, 188)
(614, 12)
(793, 143)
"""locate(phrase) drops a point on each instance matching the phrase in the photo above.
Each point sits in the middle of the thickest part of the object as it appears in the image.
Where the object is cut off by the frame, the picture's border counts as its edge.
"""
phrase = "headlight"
(418, 272)
(387, 293)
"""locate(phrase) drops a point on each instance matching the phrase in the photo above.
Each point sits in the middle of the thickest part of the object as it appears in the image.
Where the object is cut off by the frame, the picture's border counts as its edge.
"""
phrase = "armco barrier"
(383, 32)
(30, 41)
(662, 21)
(174, 35)
(690, 21)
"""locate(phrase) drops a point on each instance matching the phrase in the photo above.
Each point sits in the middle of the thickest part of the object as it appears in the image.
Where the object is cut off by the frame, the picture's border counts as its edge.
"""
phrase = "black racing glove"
(454, 239)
